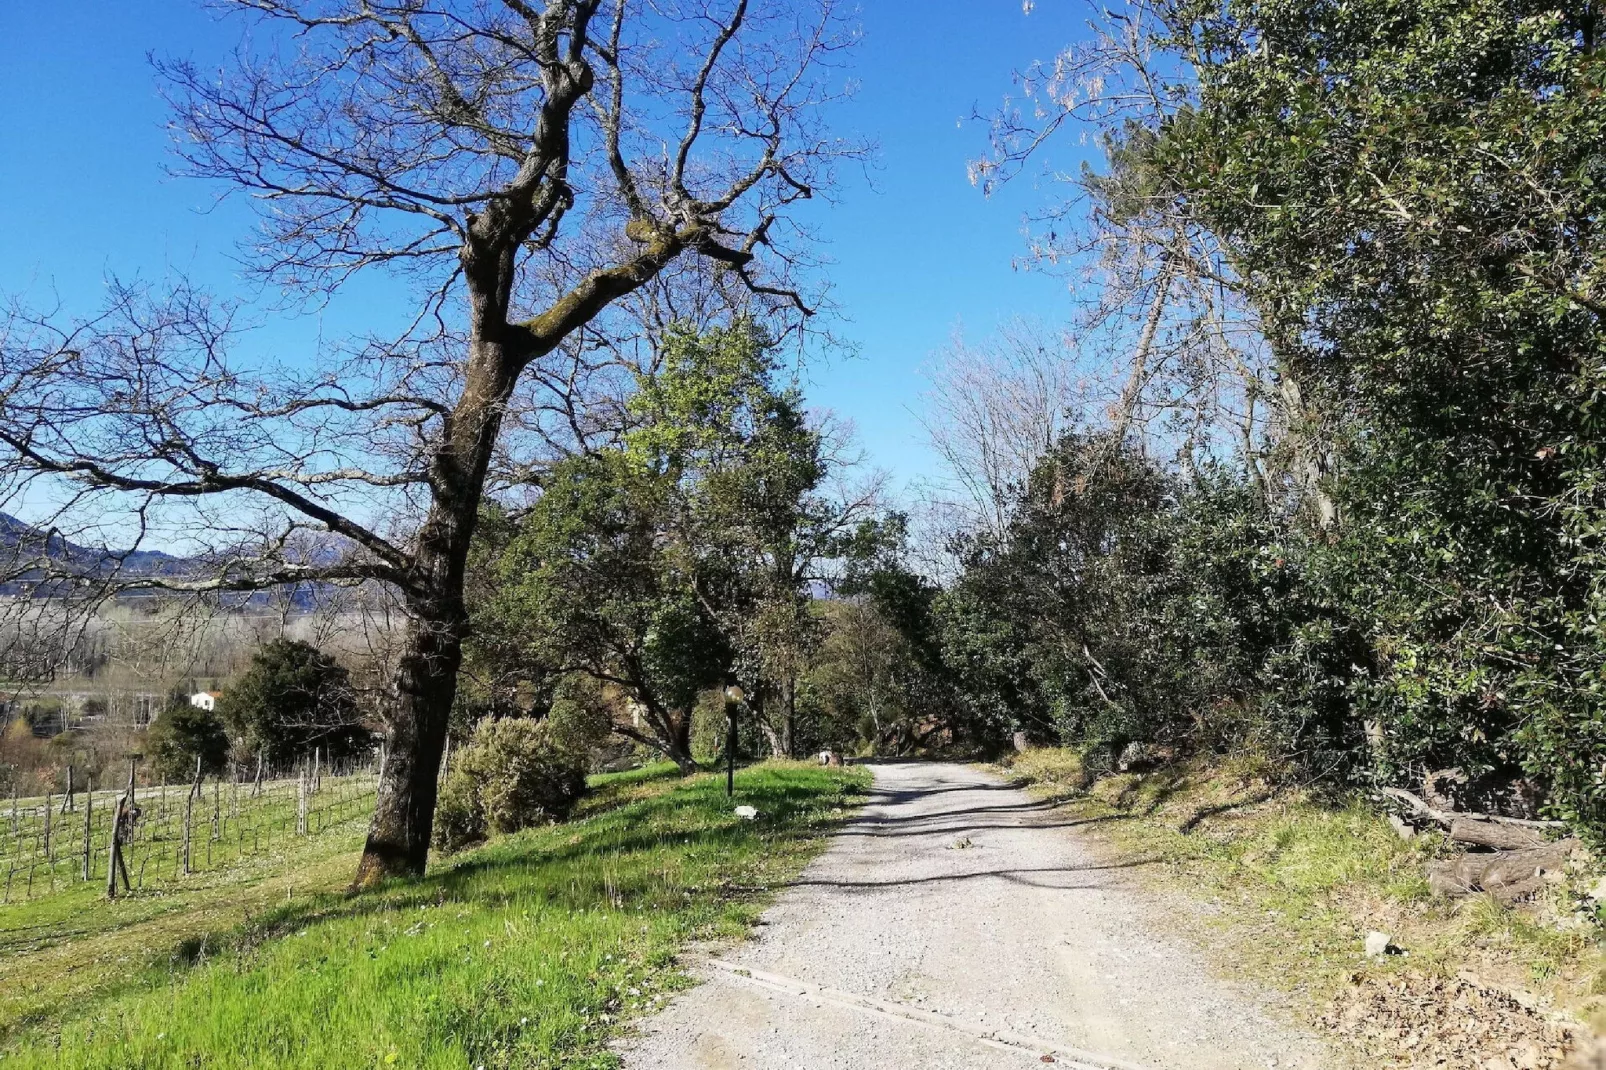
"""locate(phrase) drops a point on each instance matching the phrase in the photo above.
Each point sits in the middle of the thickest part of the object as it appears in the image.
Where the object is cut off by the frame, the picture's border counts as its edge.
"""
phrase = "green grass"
(527, 952)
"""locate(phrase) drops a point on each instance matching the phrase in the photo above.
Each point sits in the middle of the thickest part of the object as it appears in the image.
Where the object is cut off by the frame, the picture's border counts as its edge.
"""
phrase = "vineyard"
(134, 839)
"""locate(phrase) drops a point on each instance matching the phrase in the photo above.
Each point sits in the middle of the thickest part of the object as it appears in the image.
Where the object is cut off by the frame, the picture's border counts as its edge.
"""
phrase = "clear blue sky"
(917, 250)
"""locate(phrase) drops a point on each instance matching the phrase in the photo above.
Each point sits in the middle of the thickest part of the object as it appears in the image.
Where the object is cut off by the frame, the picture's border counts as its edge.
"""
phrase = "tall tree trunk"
(425, 683)
(415, 740)
(1313, 469)
(789, 726)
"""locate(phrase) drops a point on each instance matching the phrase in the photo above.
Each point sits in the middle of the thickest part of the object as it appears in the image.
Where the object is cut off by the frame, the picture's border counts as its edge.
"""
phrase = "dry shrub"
(514, 774)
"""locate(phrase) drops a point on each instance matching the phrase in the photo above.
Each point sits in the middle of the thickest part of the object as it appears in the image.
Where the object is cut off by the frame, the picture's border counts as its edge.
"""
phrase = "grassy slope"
(1292, 887)
(524, 953)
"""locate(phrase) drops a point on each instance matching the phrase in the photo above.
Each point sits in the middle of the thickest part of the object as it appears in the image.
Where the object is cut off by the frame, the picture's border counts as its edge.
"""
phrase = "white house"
(205, 700)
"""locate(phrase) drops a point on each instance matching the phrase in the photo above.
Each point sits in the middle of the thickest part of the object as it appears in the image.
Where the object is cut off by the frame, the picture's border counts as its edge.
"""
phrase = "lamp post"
(733, 695)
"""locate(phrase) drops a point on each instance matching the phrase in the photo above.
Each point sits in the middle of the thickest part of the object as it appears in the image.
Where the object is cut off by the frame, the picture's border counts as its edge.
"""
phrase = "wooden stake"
(89, 807)
(189, 814)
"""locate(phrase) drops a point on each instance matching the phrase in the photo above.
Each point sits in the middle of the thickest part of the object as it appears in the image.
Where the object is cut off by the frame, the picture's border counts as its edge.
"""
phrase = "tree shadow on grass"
(609, 860)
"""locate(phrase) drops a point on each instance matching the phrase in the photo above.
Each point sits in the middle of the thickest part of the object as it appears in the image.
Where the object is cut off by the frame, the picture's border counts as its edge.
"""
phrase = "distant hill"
(42, 563)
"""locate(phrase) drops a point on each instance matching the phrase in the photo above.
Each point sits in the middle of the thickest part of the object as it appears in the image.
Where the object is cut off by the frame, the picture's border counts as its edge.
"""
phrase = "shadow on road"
(1042, 877)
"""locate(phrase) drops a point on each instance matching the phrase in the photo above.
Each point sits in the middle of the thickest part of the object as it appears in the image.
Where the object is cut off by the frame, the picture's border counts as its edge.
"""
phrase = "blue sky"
(917, 251)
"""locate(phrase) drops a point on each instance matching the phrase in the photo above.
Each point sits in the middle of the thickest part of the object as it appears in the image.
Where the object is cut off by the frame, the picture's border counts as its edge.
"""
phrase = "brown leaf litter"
(1417, 1021)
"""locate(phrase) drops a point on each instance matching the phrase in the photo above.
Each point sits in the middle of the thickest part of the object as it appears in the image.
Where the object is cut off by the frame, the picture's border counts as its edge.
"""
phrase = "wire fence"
(134, 838)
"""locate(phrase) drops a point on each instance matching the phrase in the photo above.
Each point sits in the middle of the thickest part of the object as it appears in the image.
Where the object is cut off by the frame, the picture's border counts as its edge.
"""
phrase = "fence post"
(67, 806)
(89, 808)
(189, 814)
(114, 852)
(50, 804)
(301, 803)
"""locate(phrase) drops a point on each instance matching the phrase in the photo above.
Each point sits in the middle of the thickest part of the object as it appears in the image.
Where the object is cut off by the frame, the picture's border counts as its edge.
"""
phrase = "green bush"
(579, 721)
(515, 773)
(182, 733)
(293, 699)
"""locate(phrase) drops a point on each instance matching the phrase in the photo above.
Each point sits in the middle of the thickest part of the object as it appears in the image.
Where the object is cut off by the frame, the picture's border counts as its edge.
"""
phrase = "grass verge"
(527, 952)
(1288, 886)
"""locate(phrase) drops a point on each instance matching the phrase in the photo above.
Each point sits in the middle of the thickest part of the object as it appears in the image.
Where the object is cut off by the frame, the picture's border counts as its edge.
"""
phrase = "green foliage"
(1410, 190)
(514, 774)
(183, 733)
(674, 563)
(878, 682)
(1403, 198)
(292, 699)
(1124, 605)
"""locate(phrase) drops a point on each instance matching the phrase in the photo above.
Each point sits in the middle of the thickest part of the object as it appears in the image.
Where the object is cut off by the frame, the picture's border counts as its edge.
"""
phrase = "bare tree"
(993, 409)
(1188, 362)
(527, 165)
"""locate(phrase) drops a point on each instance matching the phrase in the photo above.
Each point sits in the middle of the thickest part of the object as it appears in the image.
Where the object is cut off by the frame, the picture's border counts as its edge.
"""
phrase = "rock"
(1133, 758)
(747, 813)
(1377, 944)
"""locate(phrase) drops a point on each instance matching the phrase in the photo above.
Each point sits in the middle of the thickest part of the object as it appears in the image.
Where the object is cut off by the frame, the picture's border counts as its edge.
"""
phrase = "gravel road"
(957, 923)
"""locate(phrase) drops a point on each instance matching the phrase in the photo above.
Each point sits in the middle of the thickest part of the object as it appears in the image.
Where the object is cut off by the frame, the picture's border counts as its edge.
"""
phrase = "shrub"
(183, 733)
(513, 774)
(579, 721)
(294, 698)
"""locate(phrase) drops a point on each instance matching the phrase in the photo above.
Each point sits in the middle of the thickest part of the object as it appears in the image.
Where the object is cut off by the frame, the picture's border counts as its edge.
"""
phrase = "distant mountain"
(43, 564)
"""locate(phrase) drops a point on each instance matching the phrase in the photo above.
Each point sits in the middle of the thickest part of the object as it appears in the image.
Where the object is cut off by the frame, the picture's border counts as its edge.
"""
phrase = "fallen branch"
(1507, 875)
(1448, 818)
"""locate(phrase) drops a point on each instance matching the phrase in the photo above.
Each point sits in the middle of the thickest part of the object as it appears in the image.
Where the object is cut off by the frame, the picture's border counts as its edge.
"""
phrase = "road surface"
(957, 924)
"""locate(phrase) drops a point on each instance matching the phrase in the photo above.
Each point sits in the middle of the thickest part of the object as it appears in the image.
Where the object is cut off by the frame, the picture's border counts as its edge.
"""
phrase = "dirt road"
(959, 924)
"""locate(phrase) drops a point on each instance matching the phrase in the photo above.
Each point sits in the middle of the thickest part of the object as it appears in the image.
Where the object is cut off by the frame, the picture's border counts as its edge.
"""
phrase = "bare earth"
(959, 924)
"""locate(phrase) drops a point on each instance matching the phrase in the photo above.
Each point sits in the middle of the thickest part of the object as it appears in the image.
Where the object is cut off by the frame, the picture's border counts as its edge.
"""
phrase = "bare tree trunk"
(1132, 393)
(679, 749)
(426, 674)
(415, 742)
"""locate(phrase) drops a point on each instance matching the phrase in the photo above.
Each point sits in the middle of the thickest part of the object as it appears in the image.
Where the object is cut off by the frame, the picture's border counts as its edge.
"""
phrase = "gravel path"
(959, 924)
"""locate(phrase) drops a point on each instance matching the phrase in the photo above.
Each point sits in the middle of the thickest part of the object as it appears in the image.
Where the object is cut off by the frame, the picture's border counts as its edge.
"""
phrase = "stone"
(1377, 944)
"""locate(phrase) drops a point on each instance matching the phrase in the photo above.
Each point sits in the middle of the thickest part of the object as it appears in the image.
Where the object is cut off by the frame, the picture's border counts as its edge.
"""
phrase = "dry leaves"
(1453, 1023)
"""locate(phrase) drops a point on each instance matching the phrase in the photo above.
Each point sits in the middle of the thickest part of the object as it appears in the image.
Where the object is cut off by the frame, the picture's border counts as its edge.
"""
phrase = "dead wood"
(1447, 818)
(1509, 875)
(1493, 834)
